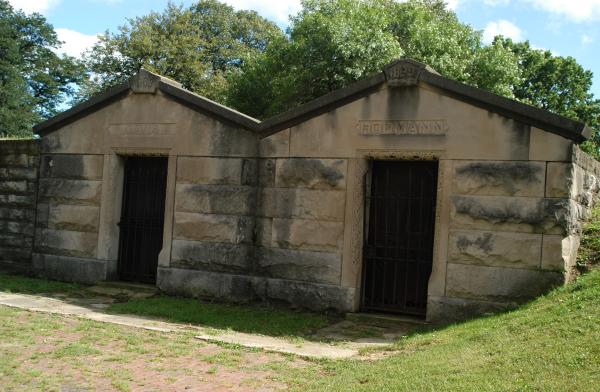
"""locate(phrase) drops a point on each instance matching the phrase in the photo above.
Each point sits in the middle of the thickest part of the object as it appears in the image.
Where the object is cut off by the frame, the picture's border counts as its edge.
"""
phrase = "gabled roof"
(147, 82)
(398, 74)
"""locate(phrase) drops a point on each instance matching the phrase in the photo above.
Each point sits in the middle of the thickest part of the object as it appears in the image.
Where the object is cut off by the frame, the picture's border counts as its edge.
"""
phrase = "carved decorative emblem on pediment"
(144, 82)
(403, 73)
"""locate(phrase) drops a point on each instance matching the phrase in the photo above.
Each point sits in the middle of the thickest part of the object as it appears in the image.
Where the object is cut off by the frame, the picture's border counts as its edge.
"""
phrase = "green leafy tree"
(199, 46)
(333, 43)
(34, 80)
(558, 84)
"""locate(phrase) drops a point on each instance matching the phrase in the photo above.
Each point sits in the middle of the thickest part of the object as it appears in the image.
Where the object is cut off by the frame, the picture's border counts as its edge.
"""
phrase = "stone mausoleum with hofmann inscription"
(406, 192)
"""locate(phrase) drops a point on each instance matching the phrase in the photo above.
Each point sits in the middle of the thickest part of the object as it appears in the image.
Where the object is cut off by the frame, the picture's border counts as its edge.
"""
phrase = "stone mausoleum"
(406, 193)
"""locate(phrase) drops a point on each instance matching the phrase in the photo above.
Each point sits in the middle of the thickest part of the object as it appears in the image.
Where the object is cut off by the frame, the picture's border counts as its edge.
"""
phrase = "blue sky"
(566, 27)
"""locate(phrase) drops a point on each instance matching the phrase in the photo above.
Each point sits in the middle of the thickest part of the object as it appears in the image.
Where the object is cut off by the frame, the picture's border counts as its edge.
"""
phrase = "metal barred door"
(398, 246)
(142, 218)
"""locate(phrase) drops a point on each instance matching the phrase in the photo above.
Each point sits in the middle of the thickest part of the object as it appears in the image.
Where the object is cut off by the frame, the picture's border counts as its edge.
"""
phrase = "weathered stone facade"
(276, 210)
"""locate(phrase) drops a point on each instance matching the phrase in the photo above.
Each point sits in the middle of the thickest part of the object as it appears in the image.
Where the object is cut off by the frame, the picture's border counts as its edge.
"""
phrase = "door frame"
(111, 204)
(366, 222)
(144, 163)
(352, 260)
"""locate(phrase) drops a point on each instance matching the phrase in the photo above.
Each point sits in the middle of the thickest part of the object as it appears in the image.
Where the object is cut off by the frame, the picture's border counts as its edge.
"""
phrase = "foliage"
(34, 80)
(334, 43)
(199, 46)
(588, 255)
(558, 84)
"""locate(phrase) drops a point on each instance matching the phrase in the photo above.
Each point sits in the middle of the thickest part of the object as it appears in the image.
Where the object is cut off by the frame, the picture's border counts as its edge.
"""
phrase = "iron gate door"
(142, 218)
(399, 232)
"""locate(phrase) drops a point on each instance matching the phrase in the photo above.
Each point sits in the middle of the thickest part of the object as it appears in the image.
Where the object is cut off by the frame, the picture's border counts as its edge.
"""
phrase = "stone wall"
(301, 219)
(215, 201)
(68, 214)
(514, 231)
(19, 162)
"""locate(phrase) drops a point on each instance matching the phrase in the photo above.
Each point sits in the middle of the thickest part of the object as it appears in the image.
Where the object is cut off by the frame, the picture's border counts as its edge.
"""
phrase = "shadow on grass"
(264, 320)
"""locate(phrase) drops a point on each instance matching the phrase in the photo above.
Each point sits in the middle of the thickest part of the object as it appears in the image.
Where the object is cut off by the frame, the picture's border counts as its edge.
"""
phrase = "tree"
(34, 80)
(198, 46)
(558, 84)
(334, 43)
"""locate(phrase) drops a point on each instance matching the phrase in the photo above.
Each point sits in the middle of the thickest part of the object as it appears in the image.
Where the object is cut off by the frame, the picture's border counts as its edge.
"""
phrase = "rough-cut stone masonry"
(19, 164)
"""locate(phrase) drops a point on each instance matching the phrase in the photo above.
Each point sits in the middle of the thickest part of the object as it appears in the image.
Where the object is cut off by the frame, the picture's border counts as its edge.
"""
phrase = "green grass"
(22, 284)
(242, 318)
(589, 251)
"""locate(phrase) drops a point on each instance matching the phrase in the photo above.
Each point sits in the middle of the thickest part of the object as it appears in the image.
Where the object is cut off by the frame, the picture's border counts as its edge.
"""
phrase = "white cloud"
(277, 11)
(586, 40)
(504, 28)
(29, 6)
(75, 42)
(575, 10)
(453, 4)
(578, 11)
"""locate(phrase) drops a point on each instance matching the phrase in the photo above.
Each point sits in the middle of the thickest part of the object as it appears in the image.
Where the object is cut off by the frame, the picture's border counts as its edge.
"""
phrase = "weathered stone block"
(514, 214)
(499, 178)
(264, 231)
(17, 186)
(303, 203)
(202, 170)
(266, 172)
(17, 214)
(498, 284)
(42, 215)
(74, 217)
(15, 255)
(211, 256)
(72, 166)
(15, 241)
(213, 228)
(17, 173)
(308, 234)
(17, 200)
(70, 269)
(560, 180)
(311, 173)
(277, 145)
(249, 172)
(71, 191)
(25, 228)
(317, 297)
(517, 250)
(66, 243)
(448, 310)
(20, 160)
(319, 267)
(215, 199)
(559, 253)
(242, 288)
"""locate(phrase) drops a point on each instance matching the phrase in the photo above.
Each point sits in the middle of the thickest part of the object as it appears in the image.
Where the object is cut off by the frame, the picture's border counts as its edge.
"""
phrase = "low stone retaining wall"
(19, 169)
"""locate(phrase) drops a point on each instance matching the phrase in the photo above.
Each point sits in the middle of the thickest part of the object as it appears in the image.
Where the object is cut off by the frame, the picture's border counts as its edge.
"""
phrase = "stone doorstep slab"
(278, 345)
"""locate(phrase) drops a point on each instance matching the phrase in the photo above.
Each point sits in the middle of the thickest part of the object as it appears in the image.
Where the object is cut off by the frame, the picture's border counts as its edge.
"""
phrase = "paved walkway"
(44, 304)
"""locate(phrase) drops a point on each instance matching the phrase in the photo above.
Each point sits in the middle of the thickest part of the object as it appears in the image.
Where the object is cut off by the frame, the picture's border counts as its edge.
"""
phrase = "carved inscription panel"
(402, 127)
(142, 129)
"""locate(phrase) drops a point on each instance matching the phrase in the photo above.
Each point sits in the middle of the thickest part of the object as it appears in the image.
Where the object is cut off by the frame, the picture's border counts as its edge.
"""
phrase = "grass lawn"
(25, 285)
(253, 319)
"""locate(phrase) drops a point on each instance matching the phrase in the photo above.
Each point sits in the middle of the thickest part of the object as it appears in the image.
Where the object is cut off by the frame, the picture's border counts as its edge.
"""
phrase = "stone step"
(124, 289)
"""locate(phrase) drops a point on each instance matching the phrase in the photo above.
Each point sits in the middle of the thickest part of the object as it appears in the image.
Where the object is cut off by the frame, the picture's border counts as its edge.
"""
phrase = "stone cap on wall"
(403, 73)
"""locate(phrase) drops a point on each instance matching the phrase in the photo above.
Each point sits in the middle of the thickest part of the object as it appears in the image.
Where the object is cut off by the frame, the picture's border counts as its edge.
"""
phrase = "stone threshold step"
(385, 318)
(127, 285)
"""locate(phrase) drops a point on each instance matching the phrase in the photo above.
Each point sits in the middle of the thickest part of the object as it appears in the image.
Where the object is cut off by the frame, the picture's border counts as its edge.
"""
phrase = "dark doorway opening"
(399, 235)
(142, 218)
